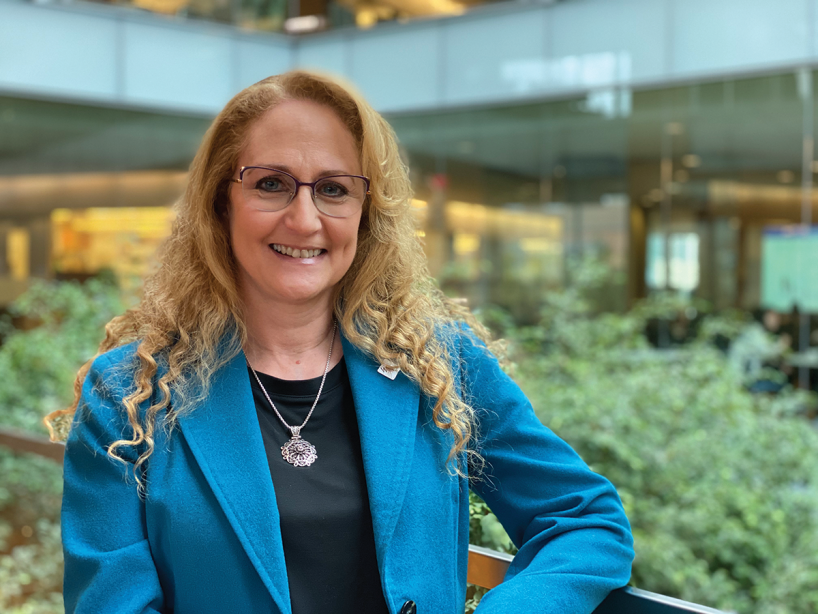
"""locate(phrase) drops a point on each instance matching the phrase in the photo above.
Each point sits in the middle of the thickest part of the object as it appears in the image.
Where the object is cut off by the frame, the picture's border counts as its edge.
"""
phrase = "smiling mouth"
(297, 253)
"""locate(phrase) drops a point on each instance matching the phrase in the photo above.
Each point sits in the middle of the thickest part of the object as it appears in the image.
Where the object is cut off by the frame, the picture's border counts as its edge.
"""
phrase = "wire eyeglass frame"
(298, 184)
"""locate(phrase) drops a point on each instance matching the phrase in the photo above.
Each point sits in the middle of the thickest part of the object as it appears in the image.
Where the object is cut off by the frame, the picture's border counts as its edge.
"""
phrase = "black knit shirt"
(326, 524)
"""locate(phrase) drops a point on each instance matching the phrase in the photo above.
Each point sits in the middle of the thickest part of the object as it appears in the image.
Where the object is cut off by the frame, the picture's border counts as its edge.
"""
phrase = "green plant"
(30, 548)
(63, 324)
(719, 484)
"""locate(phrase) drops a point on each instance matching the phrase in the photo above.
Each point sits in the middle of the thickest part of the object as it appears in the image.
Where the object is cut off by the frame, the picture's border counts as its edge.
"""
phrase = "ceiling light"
(305, 23)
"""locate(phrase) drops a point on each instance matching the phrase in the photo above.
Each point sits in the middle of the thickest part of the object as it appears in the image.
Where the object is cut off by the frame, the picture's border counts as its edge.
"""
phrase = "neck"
(289, 341)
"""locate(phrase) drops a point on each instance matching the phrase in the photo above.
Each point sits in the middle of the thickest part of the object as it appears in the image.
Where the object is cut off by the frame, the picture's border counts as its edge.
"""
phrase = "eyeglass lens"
(270, 190)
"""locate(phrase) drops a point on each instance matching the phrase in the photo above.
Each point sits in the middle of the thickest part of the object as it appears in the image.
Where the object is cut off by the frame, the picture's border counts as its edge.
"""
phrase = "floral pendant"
(297, 451)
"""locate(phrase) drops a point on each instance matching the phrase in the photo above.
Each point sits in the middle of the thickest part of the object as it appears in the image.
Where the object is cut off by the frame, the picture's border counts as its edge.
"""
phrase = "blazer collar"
(225, 438)
(387, 413)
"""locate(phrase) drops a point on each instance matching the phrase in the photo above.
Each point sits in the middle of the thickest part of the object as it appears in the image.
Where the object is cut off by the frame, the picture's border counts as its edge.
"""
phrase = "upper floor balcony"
(134, 56)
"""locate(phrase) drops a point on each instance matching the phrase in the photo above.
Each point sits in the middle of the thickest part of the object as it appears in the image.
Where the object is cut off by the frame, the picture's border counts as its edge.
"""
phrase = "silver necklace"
(297, 451)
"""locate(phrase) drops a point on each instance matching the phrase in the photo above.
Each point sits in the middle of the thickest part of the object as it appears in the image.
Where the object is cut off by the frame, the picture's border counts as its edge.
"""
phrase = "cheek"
(245, 226)
(351, 239)
(243, 234)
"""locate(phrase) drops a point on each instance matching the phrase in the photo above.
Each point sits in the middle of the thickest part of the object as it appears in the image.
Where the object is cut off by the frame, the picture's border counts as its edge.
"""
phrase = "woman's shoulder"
(464, 345)
(101, 416)
(112, 372)
(119, 359)
(121, 355)
(474, 365)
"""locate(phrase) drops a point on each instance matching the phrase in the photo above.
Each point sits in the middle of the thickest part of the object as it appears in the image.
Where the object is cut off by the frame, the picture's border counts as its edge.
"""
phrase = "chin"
(296, 295)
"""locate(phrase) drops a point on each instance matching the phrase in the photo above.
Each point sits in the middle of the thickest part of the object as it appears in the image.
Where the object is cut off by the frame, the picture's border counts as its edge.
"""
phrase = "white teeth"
(296, 253)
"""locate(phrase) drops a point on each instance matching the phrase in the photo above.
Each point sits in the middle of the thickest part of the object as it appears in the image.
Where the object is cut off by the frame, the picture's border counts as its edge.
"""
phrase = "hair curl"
(189, 319)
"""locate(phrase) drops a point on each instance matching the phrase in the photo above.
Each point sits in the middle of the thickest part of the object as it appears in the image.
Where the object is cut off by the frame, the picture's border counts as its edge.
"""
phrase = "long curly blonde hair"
(190, 321)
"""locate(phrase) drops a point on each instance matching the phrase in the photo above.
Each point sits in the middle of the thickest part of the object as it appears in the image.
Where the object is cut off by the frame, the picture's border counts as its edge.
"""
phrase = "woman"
(288, 420)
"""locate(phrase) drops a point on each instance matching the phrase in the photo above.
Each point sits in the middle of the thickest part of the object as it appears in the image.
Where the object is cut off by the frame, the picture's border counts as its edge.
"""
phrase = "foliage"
(60, 326)
(719, 484)
(66, 325)
(484, 530)
(30, 549)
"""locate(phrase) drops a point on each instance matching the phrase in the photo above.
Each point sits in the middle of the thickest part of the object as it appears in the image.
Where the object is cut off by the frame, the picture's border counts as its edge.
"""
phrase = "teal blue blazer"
(206, 537)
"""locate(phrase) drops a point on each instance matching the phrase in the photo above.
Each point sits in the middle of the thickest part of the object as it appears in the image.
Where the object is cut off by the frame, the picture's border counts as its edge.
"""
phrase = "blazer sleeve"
(108, 563)
(574, 541)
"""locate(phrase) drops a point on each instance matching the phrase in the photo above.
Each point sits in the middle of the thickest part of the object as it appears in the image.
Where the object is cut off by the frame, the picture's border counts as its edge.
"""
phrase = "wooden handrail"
(487, 568)
(20, 441)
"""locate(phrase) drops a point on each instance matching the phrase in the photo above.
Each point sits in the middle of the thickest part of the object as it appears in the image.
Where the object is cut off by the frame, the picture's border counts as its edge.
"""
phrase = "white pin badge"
(387, 372)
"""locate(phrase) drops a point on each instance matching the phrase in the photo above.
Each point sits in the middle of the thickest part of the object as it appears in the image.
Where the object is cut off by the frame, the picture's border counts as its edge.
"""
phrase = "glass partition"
(674, 188)
(58, 158)
(704, 190)
(512, 195)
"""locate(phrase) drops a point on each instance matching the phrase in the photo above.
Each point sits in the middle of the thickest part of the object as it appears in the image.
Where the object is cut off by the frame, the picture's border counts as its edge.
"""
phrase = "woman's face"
(308, 141)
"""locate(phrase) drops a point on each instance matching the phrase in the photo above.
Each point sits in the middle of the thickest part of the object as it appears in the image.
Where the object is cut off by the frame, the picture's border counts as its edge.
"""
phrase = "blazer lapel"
(225, 438)
(387, 413)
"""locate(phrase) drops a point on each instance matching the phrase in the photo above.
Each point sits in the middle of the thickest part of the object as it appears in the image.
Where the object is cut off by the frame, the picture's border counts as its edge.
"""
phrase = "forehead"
(303, 135)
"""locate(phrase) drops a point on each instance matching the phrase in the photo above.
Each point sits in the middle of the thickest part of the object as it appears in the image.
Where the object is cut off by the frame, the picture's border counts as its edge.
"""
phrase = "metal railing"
(487, 568)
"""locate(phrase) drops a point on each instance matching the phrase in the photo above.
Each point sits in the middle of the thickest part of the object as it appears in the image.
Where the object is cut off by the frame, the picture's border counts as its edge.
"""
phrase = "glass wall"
(680, 188)
(513, 194)
(714, 165)
(62, 166)
(697, 188)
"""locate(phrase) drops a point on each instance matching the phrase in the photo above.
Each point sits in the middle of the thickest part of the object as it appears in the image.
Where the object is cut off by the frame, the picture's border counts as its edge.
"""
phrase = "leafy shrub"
(39, 364)
(30, 548)
(719, 484)
(64, 326)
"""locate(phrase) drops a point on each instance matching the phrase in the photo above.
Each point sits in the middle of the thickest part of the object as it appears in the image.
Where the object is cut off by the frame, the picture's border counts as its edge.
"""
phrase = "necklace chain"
(298, 452)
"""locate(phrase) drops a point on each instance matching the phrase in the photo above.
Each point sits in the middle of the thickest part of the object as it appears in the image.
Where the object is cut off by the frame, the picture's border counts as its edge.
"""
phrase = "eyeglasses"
(269, 189)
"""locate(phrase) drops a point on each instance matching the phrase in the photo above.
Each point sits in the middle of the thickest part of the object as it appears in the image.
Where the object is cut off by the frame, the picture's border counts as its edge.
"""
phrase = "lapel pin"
(391, 373)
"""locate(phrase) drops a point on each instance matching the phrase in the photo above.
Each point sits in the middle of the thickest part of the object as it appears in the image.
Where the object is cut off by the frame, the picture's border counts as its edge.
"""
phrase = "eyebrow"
(287, 169)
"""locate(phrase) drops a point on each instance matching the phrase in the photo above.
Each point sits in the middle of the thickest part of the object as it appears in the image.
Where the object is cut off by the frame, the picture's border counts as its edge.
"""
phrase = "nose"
(301, 216)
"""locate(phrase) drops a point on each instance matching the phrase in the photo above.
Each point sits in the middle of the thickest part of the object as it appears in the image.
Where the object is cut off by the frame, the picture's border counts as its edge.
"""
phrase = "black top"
(326, 524)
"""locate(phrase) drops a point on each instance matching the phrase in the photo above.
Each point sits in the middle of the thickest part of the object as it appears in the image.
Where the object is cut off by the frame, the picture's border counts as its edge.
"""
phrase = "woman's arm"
(574, 539)
(108, 562)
